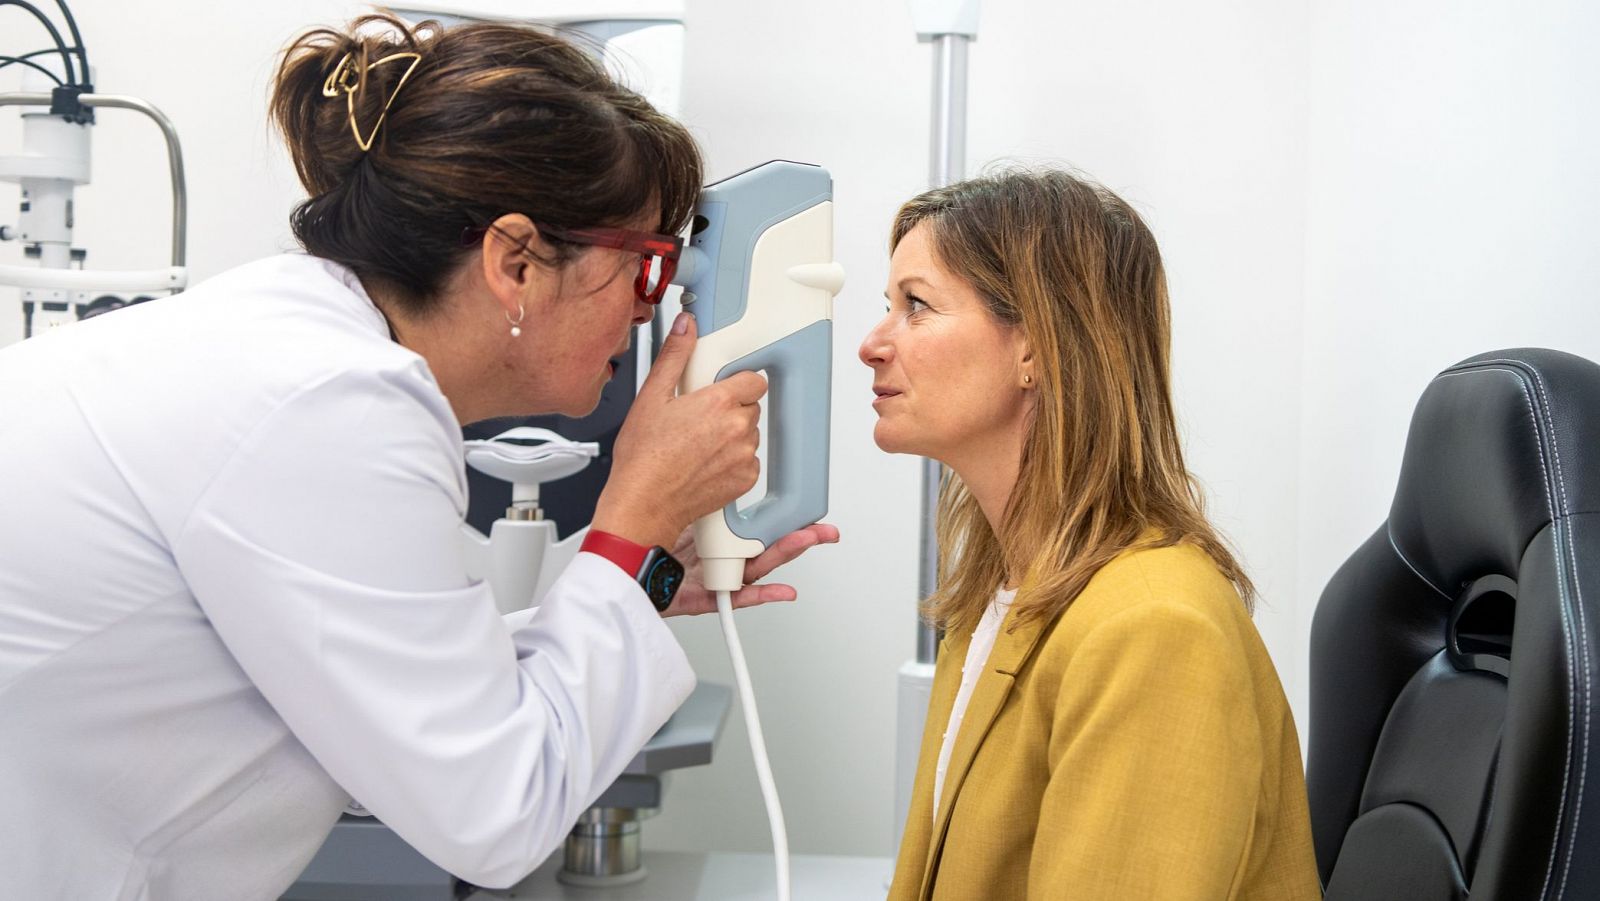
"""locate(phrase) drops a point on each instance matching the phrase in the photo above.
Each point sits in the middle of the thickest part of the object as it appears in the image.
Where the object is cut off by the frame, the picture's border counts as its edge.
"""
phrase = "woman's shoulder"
(292, 320)
(1157, 610)
(291, 338)
(1177, 587)
(289, 290)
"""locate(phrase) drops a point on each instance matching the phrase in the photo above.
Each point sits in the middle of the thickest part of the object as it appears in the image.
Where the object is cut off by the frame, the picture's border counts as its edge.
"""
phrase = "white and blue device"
(759, 276)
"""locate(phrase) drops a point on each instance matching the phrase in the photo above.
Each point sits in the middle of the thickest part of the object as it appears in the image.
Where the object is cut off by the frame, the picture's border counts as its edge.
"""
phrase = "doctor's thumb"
(668, 368)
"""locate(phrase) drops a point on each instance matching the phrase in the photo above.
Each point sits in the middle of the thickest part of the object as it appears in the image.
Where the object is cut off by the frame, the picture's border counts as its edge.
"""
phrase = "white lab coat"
(232, 596)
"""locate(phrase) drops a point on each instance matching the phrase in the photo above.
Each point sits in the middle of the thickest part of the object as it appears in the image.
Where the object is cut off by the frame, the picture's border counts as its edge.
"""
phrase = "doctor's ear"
(514, 258)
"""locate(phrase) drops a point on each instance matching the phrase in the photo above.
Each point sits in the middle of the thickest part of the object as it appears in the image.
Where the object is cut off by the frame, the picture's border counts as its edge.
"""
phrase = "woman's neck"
(990, 474)
(446, 346)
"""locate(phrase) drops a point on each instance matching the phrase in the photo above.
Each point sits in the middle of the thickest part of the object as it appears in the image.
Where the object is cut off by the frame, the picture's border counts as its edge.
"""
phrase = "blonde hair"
(1074, 266)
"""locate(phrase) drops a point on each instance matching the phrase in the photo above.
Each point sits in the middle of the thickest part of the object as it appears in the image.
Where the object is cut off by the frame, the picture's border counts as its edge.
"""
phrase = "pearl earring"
(1027, 380)
(516, 324)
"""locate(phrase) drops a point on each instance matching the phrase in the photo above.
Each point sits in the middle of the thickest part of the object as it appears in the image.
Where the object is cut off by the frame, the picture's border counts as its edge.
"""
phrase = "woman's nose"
(874, 348)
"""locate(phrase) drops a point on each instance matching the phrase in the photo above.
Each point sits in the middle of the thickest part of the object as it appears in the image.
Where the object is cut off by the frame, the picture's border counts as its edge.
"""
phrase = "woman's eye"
(913, 306)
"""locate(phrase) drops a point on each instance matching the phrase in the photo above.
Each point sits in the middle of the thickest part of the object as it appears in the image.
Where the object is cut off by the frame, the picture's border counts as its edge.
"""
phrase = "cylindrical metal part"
(603, 848)
(180, 190)
(947, 164)
(949, 137)
(524, 513)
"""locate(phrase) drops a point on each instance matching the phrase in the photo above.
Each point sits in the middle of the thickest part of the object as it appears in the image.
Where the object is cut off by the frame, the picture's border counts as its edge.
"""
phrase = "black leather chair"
(1454, 734)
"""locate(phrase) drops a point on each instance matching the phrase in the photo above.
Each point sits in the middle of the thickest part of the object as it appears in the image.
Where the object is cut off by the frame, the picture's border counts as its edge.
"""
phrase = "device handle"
(799, 371)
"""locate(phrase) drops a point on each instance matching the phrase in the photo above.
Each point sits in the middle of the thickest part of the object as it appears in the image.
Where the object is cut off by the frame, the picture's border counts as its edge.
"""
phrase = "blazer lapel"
(1012, 648)
(914, 842)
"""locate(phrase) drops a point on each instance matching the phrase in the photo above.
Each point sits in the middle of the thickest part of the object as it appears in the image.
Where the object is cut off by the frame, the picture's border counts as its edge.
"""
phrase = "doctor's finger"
(745, 387)
(667, 370)
(788, 548)
(756, 595)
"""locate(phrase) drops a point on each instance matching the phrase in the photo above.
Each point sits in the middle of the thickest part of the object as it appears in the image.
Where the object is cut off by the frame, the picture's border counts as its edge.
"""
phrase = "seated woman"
(1105, 723)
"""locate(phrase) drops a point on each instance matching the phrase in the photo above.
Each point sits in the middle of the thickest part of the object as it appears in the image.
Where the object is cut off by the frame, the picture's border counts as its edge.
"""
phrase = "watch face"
(663, 574)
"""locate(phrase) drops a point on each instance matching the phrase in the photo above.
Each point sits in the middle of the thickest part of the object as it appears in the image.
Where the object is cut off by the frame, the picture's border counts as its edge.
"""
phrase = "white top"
(232, 595)
(977, 657)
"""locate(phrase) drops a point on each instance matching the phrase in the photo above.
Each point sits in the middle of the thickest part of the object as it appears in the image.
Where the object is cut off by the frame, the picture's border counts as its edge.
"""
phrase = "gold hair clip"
(345, 78)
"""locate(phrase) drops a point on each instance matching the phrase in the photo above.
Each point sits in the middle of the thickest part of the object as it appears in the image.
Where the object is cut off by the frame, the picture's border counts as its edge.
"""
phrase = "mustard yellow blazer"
(1138, 747)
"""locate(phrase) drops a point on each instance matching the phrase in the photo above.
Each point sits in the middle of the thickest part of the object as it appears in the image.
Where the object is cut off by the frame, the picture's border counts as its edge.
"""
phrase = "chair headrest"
(1496, 452)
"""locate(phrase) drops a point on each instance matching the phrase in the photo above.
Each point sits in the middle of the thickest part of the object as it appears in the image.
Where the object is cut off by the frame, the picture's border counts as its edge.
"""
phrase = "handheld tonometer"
(759, 277)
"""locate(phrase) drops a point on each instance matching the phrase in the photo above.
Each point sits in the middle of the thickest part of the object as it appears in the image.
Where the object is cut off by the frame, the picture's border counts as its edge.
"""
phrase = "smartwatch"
(657, 572)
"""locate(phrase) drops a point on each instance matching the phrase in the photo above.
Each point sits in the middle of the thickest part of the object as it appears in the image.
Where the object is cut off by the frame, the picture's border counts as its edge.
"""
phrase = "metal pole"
(948, 162)
(949, 132)
(180, 189)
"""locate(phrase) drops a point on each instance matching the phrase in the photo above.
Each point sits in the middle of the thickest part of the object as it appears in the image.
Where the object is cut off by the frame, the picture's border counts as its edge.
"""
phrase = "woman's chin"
(891, 441)
(581, 402)
(581, 408)
(574, 407)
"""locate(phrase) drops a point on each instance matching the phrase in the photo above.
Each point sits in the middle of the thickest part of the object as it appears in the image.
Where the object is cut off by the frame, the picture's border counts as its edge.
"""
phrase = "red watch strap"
(624, 553)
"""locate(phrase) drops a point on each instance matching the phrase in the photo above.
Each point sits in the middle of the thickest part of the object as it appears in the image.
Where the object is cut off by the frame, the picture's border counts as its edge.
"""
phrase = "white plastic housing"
(52, 148)
(520, 559)
(527, 466)
(783, 298)
(935, 17)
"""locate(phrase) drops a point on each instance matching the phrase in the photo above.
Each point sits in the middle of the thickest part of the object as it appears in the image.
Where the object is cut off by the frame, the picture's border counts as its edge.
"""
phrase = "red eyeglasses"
(658, 254)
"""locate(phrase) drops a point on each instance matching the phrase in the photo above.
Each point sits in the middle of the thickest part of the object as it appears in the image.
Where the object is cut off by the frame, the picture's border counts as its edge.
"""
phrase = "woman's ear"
(510, 251)
(1025, 362)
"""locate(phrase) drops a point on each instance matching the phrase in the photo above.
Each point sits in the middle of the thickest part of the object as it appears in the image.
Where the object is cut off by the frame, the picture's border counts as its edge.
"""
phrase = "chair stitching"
(1583, 647)
(1583, 759)
(1566, 627)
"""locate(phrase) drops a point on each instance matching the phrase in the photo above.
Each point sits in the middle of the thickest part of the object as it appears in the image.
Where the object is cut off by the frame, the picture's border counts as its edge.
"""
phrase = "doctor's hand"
(693, 598)
(679, 457)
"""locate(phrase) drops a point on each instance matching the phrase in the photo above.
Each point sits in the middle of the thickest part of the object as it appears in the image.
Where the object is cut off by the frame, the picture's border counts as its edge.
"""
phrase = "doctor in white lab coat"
(231, 590)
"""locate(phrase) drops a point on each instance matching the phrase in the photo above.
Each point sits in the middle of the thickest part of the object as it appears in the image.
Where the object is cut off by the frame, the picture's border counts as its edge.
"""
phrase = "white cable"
(758, 745)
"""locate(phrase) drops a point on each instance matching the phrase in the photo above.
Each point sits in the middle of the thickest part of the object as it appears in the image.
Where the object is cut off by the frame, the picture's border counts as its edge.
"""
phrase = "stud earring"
(516, 324)
(1027, 380)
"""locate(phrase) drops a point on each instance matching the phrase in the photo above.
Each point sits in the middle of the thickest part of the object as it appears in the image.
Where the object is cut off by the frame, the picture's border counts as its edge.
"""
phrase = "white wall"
(1454, 208)
(1349, 198)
